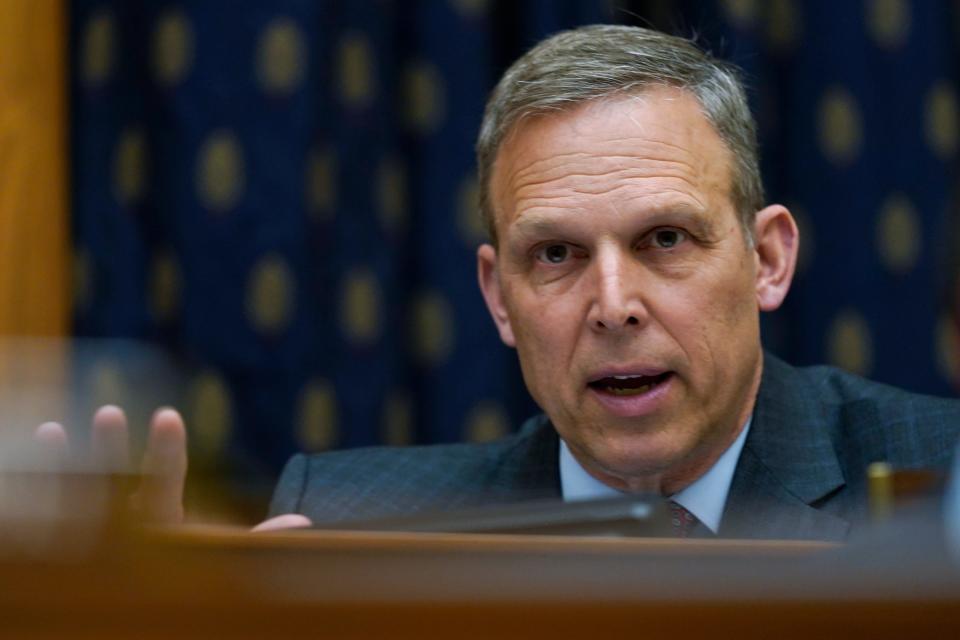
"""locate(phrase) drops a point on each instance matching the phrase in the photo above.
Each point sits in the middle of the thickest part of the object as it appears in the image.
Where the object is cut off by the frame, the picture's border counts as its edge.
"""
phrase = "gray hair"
(599, 61)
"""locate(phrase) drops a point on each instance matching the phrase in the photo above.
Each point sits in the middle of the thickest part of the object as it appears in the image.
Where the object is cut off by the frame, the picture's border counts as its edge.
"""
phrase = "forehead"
(658, 141)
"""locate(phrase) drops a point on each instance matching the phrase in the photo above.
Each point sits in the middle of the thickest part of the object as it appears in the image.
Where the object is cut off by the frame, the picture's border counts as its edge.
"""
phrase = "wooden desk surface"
(220, 537)
(215, 582)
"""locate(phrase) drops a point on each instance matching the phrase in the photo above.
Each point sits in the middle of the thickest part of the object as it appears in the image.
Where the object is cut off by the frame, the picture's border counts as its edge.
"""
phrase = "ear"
(777, 242)
(489, 278)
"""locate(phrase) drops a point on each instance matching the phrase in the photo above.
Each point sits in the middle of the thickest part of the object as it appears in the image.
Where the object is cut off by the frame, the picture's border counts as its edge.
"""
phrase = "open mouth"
(628, 385)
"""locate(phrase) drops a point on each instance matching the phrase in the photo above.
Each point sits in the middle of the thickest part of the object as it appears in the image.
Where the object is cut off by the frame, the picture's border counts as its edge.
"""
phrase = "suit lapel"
(788, 464)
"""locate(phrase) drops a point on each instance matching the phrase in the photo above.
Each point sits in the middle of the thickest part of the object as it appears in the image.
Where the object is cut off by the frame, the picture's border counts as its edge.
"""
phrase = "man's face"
(625, 282)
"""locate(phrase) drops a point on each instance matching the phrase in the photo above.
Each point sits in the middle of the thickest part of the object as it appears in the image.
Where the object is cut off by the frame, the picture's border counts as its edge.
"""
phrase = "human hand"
(285, 521)
(159, 498)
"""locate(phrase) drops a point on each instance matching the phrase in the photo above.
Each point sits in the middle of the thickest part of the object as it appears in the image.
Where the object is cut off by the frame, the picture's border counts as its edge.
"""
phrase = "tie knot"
(682, 520)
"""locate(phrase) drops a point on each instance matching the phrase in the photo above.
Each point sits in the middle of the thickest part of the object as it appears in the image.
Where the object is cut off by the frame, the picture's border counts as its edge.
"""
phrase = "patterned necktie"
(682, 520)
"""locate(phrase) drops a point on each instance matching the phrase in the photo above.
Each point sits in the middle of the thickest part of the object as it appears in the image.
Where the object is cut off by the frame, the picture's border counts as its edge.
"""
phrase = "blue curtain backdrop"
(281, 195)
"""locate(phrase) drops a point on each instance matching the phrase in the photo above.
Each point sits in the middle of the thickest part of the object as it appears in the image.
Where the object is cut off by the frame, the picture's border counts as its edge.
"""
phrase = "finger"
(53, 445)
(286, 521)
(53, 435)
(160, 498)
(110, 440)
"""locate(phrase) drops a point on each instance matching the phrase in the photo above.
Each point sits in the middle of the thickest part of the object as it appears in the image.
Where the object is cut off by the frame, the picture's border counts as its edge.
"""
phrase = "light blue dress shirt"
(705, 498)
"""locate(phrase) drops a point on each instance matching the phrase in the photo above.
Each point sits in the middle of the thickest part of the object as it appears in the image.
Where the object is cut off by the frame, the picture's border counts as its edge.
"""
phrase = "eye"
(667, 238)
(553, 253)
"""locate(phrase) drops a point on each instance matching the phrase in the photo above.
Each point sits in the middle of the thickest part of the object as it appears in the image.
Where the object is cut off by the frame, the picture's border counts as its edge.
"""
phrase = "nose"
(618, 303)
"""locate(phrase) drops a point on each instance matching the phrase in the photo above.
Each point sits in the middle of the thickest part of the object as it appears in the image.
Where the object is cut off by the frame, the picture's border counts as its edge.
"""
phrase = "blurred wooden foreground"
(202, 583)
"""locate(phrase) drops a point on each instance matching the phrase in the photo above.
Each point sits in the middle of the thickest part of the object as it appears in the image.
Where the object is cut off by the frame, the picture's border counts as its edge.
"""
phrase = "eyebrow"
(538, 224)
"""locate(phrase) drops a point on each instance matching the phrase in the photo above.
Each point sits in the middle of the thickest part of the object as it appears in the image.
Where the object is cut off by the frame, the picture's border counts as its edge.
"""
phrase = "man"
(630, 255)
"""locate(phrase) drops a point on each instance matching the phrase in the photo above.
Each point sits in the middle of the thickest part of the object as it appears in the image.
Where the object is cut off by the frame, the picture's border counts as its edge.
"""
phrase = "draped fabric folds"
(282, 194)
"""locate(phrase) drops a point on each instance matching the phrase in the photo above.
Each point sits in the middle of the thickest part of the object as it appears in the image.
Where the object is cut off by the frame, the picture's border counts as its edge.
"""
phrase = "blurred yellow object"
(890, 489)
(880, 490)
(33, 169)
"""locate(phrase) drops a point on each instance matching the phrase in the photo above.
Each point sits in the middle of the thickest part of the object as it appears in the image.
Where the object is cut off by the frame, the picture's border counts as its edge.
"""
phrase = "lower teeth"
(634, 391)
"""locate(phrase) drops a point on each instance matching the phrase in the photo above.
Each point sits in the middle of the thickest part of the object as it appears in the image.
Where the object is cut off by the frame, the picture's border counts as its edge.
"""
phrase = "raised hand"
(159, 498)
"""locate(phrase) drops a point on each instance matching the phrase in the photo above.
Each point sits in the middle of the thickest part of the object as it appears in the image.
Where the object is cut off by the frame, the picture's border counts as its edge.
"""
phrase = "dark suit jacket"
(802, 472)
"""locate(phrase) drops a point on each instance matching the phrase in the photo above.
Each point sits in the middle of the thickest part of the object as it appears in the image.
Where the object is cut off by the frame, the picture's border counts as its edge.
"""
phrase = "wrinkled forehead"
(659, 131)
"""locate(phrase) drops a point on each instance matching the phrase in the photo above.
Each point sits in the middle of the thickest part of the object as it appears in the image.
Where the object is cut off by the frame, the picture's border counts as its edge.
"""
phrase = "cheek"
(543, 348)
(740, 310)
(734, 334)
(712, 319)
(730, 289)
(546, 327)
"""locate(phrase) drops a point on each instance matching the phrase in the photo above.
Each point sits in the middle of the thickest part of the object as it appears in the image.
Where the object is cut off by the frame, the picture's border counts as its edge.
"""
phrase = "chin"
(637, 456)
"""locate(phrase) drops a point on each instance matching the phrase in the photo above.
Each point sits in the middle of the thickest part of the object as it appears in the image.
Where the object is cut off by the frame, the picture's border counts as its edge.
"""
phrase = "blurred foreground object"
(890, 489)
(63, 515)
(62, 384)
(202, 582)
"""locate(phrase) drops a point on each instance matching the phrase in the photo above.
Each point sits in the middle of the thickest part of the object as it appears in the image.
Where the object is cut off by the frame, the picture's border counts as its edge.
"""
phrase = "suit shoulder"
(840, 387)
(382, 481)
(460, 454)
(413, 459)
(885, 422)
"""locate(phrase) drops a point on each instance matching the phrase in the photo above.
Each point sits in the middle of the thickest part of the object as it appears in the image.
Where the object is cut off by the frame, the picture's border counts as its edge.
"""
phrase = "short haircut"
(600, 61)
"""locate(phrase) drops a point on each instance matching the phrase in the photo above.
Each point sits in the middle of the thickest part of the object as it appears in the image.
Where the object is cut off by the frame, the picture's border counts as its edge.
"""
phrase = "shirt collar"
(705, 498)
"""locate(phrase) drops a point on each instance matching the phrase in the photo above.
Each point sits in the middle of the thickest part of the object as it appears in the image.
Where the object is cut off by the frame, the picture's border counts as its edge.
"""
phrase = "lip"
(634, 406)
